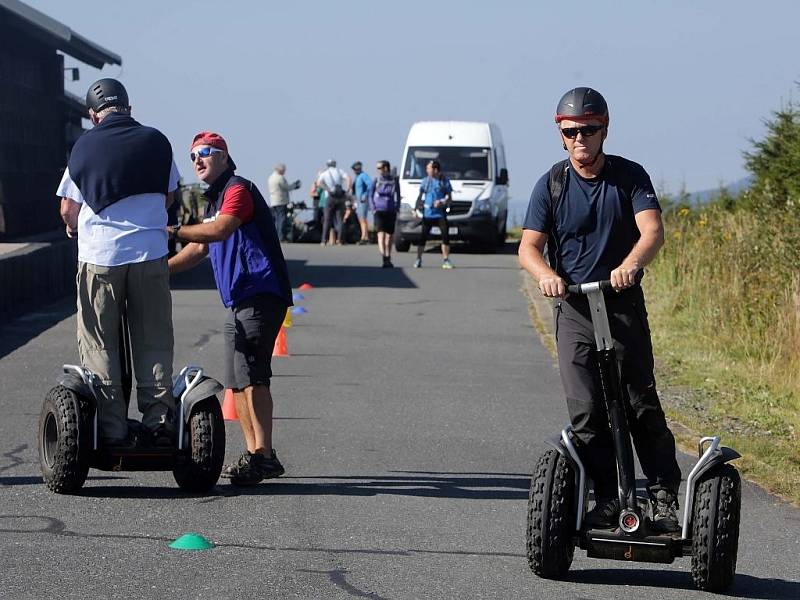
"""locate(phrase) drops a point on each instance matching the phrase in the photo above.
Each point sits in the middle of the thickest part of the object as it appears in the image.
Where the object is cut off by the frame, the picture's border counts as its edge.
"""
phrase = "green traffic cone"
(191, 541)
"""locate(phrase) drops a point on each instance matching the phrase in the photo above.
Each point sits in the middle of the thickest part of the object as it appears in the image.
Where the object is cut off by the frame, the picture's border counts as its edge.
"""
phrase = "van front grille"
(459, 208)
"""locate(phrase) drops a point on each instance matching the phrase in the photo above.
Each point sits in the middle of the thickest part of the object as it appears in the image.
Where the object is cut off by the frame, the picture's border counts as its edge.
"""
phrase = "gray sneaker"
(232, 469)
(665, 512)
(252, 468)
(418, 263)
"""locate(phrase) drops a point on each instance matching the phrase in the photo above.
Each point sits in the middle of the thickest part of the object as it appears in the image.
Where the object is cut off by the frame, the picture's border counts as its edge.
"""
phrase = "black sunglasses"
(586, 131)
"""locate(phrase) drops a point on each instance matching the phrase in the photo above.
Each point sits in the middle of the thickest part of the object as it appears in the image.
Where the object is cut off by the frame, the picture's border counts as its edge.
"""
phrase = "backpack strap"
(555, 185)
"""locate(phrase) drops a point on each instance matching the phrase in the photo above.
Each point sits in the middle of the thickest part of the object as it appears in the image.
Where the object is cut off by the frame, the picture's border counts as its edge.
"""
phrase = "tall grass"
(724, 297)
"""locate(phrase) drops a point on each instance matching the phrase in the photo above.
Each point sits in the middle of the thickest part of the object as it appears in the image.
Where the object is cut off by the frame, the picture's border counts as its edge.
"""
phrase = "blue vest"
(118, 158)
(250, 261)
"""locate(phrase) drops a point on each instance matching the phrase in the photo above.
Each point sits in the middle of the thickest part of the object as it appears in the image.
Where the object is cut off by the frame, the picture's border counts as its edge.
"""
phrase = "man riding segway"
(605, 223)
(600, 219)
(114, 195)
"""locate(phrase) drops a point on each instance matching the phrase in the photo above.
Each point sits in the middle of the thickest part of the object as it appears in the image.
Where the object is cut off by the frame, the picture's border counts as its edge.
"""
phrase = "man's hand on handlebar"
(624, 276)
(553, 287)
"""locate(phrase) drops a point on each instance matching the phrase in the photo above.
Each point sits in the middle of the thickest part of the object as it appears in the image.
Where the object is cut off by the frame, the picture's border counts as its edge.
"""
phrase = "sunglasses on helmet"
(203, 153)
(586, 131)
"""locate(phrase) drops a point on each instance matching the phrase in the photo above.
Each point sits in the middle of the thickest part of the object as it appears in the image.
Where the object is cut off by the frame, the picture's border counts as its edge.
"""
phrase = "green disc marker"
(191, 541)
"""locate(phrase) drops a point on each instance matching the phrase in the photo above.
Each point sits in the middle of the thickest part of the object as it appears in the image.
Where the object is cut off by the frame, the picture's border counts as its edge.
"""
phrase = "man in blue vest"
(114, 196)
(239, 235)
(600, 218)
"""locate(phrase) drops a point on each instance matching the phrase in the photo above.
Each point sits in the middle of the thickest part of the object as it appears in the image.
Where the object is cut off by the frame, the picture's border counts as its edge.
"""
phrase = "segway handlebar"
(585, 288)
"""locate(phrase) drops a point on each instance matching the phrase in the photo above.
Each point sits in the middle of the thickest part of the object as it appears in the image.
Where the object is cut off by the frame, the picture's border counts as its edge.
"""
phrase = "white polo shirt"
(131, 230)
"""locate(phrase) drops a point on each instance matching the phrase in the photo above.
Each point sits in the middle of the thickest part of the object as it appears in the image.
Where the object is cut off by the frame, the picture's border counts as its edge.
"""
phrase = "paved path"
(409, 417)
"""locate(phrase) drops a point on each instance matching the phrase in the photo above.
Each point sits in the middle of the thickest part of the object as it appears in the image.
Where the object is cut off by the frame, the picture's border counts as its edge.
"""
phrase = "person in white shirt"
(279, 190)
(114, 195)
(335, 182)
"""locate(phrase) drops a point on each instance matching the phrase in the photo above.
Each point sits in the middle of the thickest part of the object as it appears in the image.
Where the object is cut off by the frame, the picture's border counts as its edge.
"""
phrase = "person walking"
(600, 219)
(250, 271)
(279, 190)
(335, 183)
(435, 196)
(114, 197)
(361, 186)
(384, 202)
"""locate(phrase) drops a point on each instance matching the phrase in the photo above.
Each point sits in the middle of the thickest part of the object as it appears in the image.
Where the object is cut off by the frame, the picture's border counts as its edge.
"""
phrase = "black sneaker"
(129, 442)
(162, 437)
(232, 469)
(665, 512)
(604, 514)
(248, 470)
(271, 466)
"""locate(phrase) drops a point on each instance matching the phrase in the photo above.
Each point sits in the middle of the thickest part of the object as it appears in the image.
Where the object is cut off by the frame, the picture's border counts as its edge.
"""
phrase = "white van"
(473, 158)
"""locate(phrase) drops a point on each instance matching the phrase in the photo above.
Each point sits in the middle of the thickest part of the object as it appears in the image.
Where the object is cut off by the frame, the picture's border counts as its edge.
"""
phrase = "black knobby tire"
(64, 440)
(402, 245)
(199, 468)
(715, 528)
(551, 516)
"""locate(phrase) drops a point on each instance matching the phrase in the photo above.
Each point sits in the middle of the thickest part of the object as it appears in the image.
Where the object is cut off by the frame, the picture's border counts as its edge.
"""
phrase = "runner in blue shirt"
(435, 195)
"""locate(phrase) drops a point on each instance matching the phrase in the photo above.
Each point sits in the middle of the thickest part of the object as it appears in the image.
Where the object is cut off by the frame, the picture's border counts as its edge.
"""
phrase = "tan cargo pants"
(142, 288)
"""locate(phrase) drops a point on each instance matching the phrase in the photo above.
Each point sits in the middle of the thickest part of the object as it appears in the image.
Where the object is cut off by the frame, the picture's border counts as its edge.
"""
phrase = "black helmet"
(582, 102)
(106, 92)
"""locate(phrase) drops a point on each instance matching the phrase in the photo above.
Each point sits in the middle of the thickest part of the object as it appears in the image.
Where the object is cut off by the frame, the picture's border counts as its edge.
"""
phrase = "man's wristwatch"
(175, 230)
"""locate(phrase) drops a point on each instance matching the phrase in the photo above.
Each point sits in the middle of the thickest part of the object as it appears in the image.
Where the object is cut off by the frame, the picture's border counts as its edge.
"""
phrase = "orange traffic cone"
(229, 406)
(306, 286)
(280, 348)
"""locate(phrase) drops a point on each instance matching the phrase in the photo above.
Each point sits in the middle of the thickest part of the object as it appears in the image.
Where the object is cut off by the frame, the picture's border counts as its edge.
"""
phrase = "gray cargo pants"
(102, 294)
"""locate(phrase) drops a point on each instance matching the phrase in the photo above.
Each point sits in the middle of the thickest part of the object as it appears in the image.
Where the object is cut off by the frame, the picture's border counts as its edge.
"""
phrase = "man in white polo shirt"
(114, 195)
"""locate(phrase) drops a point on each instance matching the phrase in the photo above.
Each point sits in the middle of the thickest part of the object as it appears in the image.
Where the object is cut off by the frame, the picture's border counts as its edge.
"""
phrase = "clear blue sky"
(688, 83)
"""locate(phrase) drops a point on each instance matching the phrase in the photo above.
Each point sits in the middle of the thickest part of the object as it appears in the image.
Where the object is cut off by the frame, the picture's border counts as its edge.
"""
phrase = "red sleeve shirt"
(238, 202)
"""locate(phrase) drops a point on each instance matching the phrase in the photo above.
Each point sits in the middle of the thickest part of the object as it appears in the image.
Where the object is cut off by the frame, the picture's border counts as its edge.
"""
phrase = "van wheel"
(502, 235)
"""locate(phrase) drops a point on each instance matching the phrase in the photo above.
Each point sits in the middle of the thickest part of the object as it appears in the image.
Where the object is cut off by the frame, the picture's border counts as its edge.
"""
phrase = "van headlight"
(482, 207)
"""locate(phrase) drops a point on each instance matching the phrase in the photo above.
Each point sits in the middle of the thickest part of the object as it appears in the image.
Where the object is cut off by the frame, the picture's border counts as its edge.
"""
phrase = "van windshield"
(457, 162)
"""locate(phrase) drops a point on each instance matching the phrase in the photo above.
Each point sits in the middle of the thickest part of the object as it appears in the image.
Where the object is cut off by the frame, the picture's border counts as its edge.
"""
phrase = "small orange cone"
(229, 406)
(306, 286)
(280, 348)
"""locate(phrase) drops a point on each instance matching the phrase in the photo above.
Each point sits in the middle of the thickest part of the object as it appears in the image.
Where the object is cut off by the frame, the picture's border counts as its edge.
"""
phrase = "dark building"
(39, 122)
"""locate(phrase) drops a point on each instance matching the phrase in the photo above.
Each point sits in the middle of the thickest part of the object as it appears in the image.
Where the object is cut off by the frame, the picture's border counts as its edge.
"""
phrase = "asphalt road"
(409, 417)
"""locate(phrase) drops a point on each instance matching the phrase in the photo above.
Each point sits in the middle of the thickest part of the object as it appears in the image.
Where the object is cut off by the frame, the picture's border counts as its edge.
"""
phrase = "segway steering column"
(612, 390)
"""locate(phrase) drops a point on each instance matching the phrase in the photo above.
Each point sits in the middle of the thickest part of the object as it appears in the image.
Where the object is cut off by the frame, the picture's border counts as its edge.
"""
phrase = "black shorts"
(385, 220)
(250, 331)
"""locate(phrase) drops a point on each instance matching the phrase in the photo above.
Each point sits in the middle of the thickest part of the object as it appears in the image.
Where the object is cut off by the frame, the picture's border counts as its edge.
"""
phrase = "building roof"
(55, 34)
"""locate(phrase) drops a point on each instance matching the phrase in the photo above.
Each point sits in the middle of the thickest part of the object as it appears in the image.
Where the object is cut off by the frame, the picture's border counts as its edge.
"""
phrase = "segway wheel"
(715, 528)
(402, 245)
(199, 469)
(64, 440)
(551, 516)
